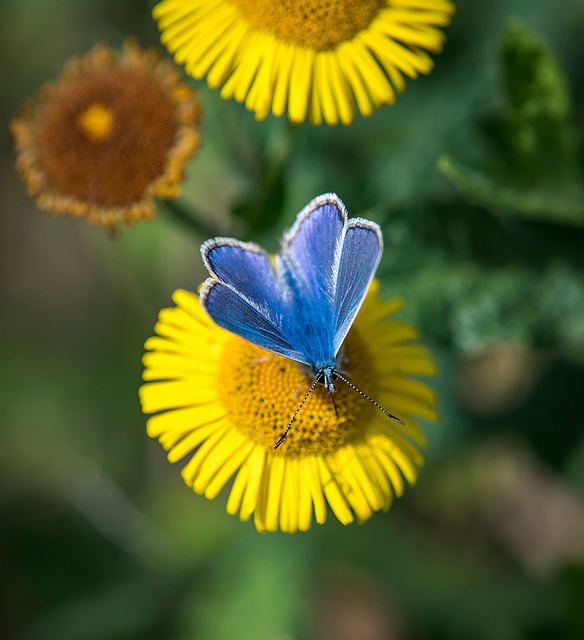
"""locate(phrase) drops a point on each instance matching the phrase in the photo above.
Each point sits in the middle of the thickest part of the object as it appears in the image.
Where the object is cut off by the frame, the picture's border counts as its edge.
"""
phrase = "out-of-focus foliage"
(99, 537)
(533, 167)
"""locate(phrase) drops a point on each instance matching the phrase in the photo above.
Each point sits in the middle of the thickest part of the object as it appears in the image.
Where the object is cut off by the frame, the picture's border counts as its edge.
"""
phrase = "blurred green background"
(476, 176)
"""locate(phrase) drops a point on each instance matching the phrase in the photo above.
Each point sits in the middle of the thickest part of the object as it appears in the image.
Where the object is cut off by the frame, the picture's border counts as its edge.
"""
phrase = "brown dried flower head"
(112, 133)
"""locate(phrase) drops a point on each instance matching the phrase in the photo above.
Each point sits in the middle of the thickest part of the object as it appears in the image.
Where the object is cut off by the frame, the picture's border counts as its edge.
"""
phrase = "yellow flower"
(108, 136)
(227, 402)
(324, 58)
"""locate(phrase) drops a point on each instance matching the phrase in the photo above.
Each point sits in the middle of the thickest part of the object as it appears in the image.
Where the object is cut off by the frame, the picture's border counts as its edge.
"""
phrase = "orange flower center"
(317, 24)
(261, 391)
(97, 121)
(105, 137)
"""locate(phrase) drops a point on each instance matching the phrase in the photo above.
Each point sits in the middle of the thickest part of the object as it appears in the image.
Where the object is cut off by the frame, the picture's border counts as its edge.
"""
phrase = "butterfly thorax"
(327, 375)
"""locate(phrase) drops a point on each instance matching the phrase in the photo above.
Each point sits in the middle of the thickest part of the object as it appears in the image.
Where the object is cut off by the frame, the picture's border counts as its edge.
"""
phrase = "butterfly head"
(321, 373)
(326, 375)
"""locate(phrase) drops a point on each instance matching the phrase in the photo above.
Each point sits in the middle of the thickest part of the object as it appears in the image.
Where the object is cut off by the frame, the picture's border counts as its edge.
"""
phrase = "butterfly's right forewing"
(244, 295)
(247, 269)
(233, 313)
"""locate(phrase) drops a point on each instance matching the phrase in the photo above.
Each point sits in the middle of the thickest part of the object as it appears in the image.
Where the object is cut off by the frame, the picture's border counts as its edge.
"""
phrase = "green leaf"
(475, 306)
(530, 164)
(534, 80)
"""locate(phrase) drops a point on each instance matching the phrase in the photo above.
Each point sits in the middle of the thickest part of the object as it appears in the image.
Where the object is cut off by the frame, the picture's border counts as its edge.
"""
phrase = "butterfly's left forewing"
(312, 248)
(361, 252)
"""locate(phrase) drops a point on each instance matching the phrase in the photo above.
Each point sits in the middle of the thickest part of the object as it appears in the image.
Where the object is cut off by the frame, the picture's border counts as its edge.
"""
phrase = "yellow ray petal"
(432, 5)
(304, 498)
(171, 438)
(247, 60)
(300, 83)
(275, 493)
(309, 467)
(238, 490)
(200, 352)
(217, 458)
(262, 88)
(378, 85)
(191, 469)
(199, 42)
(189, 302)
(229, 469)
(283, 80)
(224, 62)
(190, 418)
(333, 493)
(341, 93)
(356, 83)
(314, 108)
(363, 496)
(168, 366)
(409, 470)
(259, 515)
(393, 473)
(436, 18)
(167, 14)
(375, 471)
(158, 396)
(289, 508)
(427, 37)
(255, 463)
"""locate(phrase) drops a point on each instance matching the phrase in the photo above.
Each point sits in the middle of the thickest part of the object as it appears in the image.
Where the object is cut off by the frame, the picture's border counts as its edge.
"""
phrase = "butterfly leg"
(299, 387)
(264, 359)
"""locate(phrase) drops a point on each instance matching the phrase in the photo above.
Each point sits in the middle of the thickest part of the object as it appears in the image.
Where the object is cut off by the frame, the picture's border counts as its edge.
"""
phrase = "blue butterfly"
(304, 308)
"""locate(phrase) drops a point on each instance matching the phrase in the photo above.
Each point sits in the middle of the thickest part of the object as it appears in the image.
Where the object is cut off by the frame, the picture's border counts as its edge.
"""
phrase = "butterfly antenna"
(368, 398)
(283, 436)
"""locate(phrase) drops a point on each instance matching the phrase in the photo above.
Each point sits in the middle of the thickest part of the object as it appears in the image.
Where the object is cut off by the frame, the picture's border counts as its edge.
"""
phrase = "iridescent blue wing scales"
(362, 249)
(246, 268)
(234, 313)
(304, 309)
(312, 248)
(308, 266)
(244, 295)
